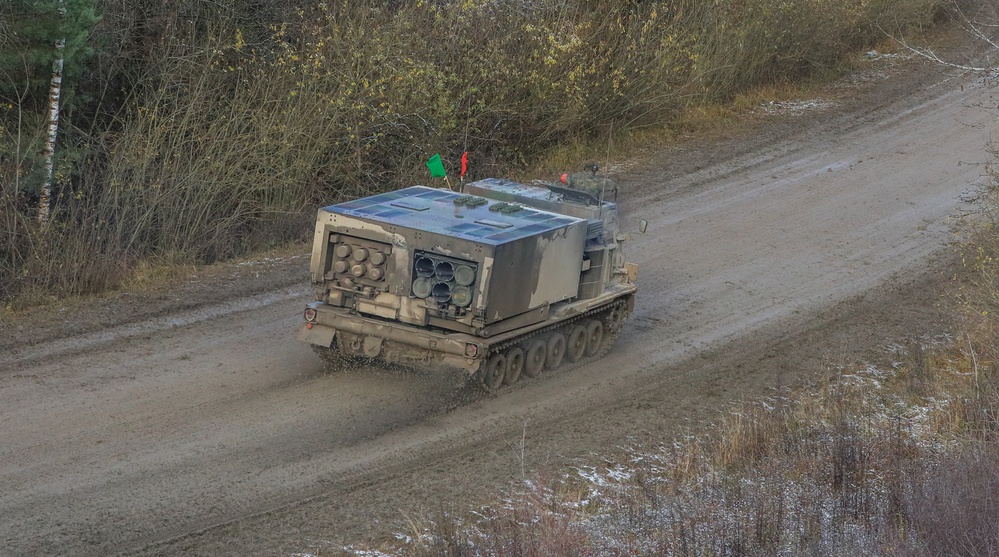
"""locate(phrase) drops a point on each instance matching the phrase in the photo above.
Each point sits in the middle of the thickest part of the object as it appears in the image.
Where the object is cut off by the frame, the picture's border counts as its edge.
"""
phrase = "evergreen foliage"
(28, 37)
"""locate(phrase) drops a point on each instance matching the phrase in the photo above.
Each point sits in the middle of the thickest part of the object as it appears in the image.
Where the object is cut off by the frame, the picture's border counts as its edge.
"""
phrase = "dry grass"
(879, 462)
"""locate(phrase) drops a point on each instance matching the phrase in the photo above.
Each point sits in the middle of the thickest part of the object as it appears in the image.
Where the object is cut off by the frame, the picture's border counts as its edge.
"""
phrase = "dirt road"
(170, 426)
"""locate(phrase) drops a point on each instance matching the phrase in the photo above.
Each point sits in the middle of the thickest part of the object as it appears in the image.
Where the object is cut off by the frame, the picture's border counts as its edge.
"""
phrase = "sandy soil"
(188, 421)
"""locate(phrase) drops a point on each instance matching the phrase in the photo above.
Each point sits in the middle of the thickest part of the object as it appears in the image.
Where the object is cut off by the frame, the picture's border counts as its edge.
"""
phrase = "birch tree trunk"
(55, 91)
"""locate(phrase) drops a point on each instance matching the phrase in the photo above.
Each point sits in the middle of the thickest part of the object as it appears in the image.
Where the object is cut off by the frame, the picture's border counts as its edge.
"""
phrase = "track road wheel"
(495, 371)
(594, 337)
(556, 351)
(534, 360)
(514, 365)
(577, 344)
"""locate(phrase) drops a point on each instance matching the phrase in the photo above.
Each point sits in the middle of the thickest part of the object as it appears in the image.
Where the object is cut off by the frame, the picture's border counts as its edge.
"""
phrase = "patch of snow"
(796, 108)
(364, 552)
(875, 55)
(264, 261)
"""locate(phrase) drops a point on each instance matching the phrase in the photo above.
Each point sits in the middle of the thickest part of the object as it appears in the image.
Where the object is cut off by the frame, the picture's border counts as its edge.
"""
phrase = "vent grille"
(594, 229)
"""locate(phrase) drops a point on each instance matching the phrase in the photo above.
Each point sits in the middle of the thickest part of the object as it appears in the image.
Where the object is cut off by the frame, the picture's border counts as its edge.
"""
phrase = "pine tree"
(29, 30)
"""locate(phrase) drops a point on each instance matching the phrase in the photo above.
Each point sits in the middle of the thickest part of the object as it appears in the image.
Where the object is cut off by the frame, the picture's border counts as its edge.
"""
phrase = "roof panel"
(435, 210)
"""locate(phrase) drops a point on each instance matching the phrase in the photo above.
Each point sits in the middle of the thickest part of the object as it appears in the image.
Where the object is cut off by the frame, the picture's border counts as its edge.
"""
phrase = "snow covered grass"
(796, 108)
(878, 461)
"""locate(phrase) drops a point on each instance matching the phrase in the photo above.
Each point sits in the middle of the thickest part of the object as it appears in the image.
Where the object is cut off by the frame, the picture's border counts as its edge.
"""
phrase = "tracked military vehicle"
(501, 280)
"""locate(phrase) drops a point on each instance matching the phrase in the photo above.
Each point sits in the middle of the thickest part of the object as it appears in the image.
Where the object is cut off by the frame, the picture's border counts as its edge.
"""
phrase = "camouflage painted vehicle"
(503, 280)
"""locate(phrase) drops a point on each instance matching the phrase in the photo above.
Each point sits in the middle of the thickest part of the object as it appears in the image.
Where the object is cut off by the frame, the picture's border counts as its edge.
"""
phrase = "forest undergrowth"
(195, 131)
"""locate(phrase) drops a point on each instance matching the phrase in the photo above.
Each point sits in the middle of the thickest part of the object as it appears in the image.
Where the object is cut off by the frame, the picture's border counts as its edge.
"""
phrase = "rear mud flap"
(319, 335)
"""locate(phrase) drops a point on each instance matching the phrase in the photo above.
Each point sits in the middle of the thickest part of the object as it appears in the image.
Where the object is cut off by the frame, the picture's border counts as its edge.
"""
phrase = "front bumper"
(356, 335)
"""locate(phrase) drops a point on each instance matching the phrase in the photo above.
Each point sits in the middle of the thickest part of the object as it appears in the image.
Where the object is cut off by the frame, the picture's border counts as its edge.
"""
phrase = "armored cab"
(424, 275)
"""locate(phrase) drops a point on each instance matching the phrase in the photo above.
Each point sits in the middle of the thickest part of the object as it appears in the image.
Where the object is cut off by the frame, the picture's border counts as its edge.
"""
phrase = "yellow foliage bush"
(238, 129)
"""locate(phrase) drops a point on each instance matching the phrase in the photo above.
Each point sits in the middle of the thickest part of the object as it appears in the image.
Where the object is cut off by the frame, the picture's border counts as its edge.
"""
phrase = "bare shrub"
(765, 42)
(858, 467)
(828, 473)
(956, 510)
(212, 128)
(531, 525)
(977, 414)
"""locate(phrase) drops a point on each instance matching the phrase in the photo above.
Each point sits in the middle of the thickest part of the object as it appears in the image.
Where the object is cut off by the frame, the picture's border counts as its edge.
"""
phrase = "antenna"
(610, 141)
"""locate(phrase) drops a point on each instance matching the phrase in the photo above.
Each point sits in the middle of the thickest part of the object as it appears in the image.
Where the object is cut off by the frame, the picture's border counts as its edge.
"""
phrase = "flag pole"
(464, 168)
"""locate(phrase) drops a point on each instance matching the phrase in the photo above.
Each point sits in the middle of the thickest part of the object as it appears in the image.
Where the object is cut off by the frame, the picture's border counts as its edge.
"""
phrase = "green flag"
(436, 167)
